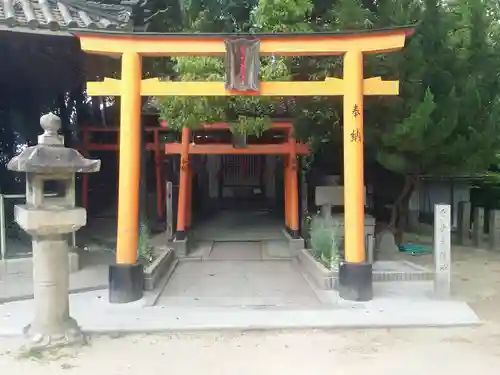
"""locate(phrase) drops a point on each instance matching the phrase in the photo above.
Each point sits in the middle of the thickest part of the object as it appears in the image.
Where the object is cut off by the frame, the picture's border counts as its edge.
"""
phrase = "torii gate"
(355, 275)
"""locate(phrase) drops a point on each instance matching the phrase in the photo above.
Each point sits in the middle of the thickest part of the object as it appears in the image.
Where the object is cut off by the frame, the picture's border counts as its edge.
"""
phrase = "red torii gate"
(290, 150)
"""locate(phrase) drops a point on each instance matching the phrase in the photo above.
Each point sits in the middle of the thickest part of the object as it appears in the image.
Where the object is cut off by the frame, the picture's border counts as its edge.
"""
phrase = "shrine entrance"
(242, 182)
(355, 274)
(238, 177)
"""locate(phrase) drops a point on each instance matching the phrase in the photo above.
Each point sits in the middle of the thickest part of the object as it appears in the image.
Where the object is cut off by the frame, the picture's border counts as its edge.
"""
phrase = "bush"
(326, 238)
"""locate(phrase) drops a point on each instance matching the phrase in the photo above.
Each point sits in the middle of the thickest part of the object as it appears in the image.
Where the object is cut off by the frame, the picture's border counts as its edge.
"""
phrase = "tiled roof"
(55, 15)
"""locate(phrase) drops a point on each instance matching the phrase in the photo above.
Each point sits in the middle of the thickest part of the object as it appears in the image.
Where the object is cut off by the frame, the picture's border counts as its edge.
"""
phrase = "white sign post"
(442, 250)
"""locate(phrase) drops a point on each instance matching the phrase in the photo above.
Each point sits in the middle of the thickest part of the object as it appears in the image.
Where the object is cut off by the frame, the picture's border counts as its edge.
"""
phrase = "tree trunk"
(397, 222)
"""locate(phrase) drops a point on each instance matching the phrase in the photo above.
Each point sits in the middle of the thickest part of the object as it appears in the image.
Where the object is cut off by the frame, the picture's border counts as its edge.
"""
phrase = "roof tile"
(58, 15)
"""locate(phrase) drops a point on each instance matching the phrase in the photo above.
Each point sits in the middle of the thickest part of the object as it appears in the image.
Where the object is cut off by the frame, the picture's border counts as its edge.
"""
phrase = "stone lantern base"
(52, 324)
(37, 338)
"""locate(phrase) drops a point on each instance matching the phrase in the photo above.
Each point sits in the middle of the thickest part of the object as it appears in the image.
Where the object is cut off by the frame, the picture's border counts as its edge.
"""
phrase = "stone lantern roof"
(50, 155)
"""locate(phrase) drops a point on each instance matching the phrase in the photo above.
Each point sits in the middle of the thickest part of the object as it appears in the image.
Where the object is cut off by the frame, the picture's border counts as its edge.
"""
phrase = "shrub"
(326, 239)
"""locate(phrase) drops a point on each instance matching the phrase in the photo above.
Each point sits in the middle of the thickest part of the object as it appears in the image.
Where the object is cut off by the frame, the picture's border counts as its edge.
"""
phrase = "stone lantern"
(50, 165)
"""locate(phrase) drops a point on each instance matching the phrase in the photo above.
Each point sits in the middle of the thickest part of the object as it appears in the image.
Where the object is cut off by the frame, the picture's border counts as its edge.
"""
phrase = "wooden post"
(130, 160)
(355, 274)
(183, 186)
(294, 189)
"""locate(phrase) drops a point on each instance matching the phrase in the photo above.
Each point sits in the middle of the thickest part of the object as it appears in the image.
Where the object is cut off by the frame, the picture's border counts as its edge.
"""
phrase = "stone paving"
(237, 250)
(227, 284)
(238, 283)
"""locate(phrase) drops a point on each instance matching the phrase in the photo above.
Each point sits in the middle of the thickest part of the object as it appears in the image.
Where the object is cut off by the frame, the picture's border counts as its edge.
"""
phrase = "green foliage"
(145, 253)
(443, 122)
(282, 16)
(246, 115)
(326, 237)
(449, 122)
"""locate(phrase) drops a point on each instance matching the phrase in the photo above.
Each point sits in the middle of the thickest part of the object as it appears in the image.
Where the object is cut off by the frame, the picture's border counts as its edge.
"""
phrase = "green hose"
(413, 249)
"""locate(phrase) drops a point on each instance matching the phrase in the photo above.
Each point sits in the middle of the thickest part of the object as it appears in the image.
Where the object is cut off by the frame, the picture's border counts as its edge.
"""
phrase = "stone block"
(369, 225)
(44, 221)
(180, 247)
(294, 244)
(160, 267)
(383, 271)
(323, 277)
(330, 195)
(385, 242)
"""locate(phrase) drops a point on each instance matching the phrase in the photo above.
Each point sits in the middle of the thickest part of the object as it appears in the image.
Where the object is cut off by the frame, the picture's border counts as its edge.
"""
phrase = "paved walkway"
(237, 250)
(239, 288)
(234, 283)
(96, 315)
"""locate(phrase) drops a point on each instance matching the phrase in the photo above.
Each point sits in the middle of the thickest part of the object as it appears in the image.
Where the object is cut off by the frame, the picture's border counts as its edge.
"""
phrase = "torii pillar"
(125, 277)
(355, 273)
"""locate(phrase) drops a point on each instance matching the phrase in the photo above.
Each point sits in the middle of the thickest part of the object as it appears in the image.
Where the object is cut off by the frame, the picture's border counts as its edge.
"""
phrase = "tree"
(247, 115)
(313, 117)
(446, 123)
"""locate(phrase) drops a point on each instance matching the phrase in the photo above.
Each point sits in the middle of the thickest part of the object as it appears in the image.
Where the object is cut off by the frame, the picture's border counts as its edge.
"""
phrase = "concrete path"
(95, 314)
(238, 250)
(238, 283)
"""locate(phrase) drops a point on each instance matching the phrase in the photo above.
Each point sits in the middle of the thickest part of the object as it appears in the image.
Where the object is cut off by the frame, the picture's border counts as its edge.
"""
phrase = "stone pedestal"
(52, 324)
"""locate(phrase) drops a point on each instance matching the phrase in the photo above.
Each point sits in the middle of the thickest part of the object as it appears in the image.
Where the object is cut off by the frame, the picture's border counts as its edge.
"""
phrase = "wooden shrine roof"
(57, 16)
